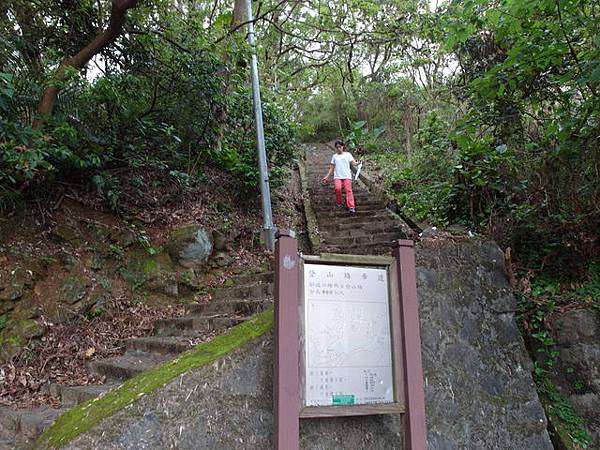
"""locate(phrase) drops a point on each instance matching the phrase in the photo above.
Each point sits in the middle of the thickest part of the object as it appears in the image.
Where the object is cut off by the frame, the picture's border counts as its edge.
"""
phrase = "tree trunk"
(220, 114)
(118, 16)
(239, 13)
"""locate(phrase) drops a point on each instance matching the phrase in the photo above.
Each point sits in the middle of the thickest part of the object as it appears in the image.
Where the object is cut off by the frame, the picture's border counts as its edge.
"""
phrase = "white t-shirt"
(342, 165)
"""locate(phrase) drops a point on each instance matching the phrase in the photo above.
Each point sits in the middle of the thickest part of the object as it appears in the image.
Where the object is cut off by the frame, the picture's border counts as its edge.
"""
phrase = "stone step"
(73, 395)
(334, 223)
(382, 227)
(368, 205)
(364, 239)
(322, 193)
(126, 366)
(20, 426)
(257, 290)
(343, 212)
(194, 325)
(375, 248)
(162, 345)
(244, 307)
(9, 423)
(365, 225)
(330, 194)
(252, 278)
(328, 201)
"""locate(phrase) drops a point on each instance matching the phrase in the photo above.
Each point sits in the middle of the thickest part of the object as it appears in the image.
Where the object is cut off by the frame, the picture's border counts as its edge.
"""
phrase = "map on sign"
(348, 356)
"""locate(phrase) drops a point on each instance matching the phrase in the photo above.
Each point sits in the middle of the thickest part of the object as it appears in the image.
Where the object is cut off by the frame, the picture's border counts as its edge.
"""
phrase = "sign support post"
(415, 434)
(286, 398)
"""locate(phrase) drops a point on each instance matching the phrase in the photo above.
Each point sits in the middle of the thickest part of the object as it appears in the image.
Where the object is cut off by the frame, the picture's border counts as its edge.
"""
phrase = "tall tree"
(118, 17)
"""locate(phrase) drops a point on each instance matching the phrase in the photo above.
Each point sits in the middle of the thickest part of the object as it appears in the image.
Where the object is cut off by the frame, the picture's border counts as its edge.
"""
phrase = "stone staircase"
(245, 296)
(370, 230)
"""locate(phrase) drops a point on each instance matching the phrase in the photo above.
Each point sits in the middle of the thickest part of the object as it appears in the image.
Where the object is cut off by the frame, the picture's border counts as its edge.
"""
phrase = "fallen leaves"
(61, 356)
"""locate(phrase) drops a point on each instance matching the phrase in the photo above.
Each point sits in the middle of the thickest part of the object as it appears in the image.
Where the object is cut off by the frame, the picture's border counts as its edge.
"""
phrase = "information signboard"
(346, 340)
(347, 332)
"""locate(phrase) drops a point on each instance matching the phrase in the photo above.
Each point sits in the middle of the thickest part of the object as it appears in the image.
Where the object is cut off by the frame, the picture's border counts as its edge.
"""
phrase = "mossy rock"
(68, 233)
(16, 333)
(124, 237)
(73, 289)
(13, 283)
(155, 273)
(190, 246)
(10, 345)
(141, 267)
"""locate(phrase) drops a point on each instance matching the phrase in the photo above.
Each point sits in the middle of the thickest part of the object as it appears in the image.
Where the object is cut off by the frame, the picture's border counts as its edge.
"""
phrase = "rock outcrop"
(190, 246)
(576, 335)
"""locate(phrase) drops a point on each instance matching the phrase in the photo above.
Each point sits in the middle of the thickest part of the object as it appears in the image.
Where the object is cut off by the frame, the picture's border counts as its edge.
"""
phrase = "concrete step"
(162, 345)
(126, 366)
(194, 325)
(237, 307)
(257, 290)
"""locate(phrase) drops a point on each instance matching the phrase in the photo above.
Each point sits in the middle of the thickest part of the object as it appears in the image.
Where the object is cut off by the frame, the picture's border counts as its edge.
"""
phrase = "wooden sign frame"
(379, 262)
(406, 344)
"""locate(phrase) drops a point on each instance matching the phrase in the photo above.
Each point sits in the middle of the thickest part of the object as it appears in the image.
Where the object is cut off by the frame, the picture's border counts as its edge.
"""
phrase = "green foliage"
(158, 103)
(423, 182)
(560, 410)
(360, 138)
(108, 187)
(536, 310)
(239, 152)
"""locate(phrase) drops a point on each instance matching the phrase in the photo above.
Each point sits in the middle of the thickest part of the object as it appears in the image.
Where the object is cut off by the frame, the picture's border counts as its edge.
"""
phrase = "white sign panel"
(348, 355)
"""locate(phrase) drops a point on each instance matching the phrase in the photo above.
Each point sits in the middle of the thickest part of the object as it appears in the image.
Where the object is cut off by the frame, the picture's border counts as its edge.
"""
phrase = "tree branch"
(118, 16)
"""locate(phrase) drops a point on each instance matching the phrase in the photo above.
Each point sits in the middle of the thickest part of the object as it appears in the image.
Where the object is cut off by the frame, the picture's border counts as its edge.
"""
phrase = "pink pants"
(348, 188)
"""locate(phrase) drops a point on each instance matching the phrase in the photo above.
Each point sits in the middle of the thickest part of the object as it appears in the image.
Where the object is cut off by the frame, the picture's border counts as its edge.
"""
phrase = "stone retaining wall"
(478, 384)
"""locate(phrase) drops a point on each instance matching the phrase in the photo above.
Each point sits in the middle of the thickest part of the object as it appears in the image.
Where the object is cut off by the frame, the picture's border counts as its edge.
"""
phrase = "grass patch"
(83, 417)
(569, 427)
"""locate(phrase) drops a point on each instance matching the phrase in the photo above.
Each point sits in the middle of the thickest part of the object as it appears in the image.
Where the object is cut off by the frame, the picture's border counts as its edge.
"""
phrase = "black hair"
(338, 142)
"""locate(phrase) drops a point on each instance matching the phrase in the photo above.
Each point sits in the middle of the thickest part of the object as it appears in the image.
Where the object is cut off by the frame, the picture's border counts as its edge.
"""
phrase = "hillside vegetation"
(476, 113)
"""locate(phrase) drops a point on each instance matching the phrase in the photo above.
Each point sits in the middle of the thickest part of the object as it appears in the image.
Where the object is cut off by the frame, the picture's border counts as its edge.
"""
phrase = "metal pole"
(265, 191)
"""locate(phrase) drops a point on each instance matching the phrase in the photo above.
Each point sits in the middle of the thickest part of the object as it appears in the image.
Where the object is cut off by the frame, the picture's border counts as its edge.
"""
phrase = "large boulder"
(190, 246)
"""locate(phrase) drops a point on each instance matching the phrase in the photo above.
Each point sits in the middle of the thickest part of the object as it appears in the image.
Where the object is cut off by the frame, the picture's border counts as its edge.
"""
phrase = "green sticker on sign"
(343, 399)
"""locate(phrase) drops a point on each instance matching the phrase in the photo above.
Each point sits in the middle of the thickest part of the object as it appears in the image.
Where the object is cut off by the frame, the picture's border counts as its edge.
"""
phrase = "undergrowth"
(541, 297)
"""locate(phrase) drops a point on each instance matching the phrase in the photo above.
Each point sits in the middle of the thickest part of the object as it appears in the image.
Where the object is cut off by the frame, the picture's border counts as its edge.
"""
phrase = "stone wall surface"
(479, 392)
(478, 385)
(228, 406)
